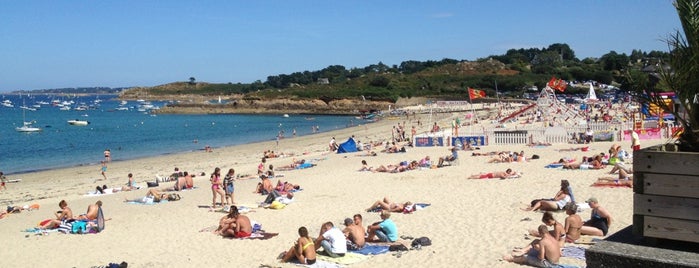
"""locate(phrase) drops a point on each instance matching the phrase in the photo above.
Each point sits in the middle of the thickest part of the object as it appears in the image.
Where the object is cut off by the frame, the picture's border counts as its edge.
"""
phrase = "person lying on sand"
(507, 174)
(155, 196)
(386, 204)
(365, 166)
(286, 186)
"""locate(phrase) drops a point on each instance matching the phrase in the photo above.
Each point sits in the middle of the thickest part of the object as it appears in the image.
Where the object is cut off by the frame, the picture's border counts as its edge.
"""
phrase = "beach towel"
(146, 202)
(372, 250)
(349, 258)
(37, 230)
(610, 185)
(555, 165)
(573, 252)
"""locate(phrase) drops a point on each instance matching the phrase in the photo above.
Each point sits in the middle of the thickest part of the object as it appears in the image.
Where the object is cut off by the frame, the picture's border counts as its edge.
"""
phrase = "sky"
(61, 44)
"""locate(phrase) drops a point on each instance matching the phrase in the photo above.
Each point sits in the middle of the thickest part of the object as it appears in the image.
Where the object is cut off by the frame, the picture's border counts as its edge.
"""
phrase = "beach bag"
(422, 241)
(152, 184)
(536, 156)
(79, 227)
(397, 247)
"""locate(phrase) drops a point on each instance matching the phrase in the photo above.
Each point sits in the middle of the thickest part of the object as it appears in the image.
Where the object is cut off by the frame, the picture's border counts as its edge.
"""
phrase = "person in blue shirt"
(383, 231)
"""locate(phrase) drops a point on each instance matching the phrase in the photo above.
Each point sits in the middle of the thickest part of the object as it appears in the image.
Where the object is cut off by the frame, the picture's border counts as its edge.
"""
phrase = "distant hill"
(74, 90)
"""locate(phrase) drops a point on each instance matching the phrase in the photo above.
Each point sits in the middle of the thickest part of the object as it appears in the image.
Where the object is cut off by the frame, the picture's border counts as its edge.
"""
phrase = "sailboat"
(26, 126)
(591, 96)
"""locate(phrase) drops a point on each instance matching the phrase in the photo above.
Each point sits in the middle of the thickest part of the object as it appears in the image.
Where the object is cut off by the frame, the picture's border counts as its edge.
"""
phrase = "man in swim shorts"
(544, 252)
(240, 228)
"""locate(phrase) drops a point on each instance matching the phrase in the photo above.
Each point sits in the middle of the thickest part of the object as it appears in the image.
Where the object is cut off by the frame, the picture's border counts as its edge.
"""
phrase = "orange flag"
(475, 93)
(557, 84)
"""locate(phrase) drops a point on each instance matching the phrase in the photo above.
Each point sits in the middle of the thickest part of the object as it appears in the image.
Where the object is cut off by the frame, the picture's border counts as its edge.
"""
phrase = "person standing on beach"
(3, 181)
(228, 183)
(635, 141)
(104, 169)
(217, 187)
(107, 155)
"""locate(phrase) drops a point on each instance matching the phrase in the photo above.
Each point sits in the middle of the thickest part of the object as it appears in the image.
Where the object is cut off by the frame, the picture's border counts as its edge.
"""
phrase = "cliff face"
(275, 106)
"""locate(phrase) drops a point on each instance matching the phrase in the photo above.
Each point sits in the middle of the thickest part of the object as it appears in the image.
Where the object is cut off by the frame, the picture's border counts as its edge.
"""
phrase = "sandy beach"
(472, 223)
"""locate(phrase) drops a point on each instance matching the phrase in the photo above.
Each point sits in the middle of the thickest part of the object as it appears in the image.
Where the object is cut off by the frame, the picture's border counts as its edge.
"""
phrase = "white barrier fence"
(546, 135)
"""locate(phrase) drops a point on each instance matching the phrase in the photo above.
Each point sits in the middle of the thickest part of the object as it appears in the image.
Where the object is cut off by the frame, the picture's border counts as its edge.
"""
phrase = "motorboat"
(78, 122)
(285, 115)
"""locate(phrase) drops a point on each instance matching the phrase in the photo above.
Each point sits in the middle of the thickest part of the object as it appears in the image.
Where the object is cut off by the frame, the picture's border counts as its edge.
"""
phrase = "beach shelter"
(347, 147)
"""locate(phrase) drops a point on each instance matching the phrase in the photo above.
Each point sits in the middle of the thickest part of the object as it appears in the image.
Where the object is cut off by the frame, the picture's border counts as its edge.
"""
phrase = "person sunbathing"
(562, 197)
(501, 158)
(92, 210)
(507, 174)
(63, 215)
(265, 186)
(365, 166)
(235, 225)
(286, 186)
(558, 231)
(303, 249)
(386, 204)
(155, 196)
(11, 210)
(573, 223)
(624, 179)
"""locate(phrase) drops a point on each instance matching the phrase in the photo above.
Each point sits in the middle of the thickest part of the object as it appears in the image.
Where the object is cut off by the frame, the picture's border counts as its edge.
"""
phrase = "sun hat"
(591, 200)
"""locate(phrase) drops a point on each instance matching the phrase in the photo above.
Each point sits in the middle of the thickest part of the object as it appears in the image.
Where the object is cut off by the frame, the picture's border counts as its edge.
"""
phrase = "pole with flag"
(474, 94)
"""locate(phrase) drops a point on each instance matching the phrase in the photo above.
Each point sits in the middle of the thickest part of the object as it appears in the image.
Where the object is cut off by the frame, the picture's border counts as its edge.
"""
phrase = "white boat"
(65, 108)
(78, 122)
(26, 126)
(285, 115)
(121, 108)
(7, 103)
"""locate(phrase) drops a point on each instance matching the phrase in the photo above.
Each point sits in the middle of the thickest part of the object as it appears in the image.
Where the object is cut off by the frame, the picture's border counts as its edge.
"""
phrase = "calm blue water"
(130, 134)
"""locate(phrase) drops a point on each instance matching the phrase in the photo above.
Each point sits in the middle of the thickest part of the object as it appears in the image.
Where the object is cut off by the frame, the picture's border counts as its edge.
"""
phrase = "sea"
(129, 130)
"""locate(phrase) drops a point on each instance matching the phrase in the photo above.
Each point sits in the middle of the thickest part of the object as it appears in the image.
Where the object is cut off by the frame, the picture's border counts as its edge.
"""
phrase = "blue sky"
(55, 44)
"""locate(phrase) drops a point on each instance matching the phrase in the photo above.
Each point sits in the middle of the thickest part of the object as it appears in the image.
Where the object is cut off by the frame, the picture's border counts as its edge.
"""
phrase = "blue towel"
(422, 205)
(372, 250)
(554, 165)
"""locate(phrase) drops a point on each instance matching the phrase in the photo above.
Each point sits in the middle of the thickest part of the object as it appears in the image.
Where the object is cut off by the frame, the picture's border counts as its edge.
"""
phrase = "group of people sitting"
(65, 215)
(336, 242)
(546, 251)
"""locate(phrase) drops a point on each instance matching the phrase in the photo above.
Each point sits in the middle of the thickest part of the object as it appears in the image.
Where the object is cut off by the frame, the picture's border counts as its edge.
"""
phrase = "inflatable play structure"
(552, 109)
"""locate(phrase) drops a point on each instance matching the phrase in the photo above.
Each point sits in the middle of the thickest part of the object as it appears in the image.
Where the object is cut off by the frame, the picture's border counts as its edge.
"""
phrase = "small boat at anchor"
(77, 122)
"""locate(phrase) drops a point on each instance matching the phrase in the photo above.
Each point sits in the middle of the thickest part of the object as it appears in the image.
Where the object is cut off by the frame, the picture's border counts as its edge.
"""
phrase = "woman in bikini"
(217, 187)
(559, 201)
(558, 231)
(573, 223)
(303, 249)
(388, 205)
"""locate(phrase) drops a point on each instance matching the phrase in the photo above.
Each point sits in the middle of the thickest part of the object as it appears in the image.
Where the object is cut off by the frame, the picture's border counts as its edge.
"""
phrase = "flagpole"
(470, 124)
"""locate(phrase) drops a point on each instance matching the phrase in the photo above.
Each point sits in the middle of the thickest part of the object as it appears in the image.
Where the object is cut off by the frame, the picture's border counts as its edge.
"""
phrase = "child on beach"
(104, 170)
(228, 183)
(3, 181)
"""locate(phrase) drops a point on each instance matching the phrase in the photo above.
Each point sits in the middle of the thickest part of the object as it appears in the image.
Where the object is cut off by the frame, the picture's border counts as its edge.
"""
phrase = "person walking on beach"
(104, 169)
(635, 141)
(3, 181)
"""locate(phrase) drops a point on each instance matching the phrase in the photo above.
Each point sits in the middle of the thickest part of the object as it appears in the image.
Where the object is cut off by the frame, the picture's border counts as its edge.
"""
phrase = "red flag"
(475, 93)
(557, 84)
(561, 85)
